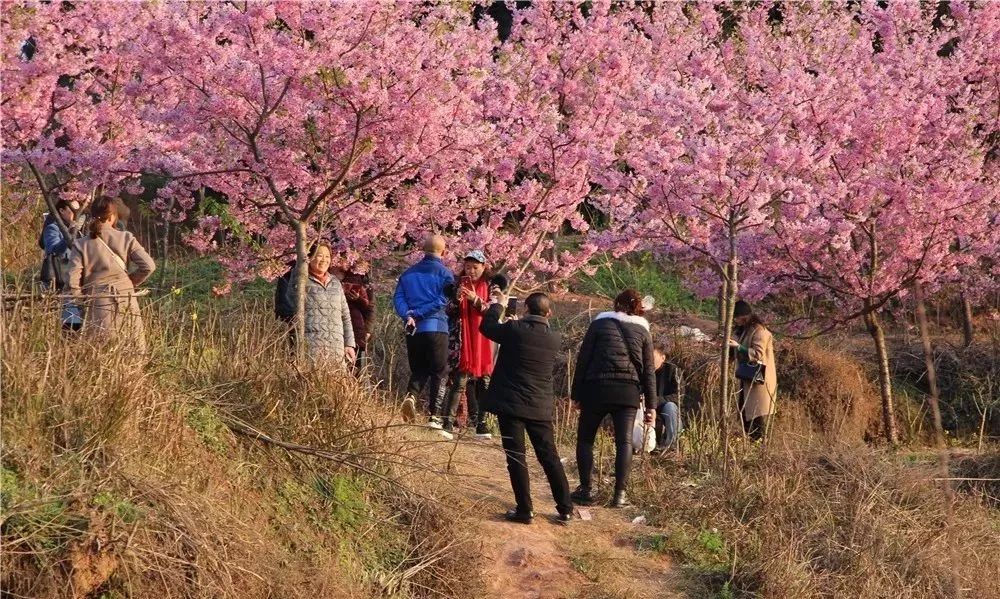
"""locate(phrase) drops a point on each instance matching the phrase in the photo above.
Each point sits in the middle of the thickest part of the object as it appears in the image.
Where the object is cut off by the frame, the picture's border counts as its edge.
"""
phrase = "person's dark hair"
(63, 204)
(538, 304)
(751, 322)
(315, 247)
(743, 308)
(500, 280)
(101, 212)
(629, 302)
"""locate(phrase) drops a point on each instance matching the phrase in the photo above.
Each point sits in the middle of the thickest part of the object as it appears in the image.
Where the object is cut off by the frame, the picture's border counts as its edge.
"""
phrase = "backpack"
(283, 308)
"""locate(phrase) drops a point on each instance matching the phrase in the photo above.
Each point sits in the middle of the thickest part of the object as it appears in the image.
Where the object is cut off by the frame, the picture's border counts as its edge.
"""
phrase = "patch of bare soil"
(545, 560)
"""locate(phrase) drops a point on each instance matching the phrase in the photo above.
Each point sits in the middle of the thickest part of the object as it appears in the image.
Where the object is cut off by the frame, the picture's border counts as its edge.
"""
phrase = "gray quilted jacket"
(328, 318)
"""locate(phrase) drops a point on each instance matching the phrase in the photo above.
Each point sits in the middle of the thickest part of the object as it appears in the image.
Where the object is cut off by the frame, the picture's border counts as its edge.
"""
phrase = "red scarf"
(476, 357)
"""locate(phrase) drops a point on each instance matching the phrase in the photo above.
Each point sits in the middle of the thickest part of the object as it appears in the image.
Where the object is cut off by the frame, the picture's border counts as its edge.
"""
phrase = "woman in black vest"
(613, 370)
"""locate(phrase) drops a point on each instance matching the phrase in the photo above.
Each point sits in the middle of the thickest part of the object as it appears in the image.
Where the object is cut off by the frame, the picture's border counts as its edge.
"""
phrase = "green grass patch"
(343, 497)
(190, 279)
(205, 421)
(126, 511)
(648, 276)
(584, 565)
(34, 520)
(704, 551)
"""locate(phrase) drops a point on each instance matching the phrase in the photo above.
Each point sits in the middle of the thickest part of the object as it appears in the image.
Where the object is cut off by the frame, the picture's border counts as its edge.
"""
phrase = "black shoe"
(564, 519)
(582, 496)
(519, 516)
(620, 500)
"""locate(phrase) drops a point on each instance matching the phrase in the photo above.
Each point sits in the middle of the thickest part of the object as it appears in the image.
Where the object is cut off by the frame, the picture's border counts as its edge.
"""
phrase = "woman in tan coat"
(99, 275)
(758, 399)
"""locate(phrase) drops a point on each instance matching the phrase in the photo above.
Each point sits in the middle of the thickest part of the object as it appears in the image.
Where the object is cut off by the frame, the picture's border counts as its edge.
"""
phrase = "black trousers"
(756, 428)
(543, 440)
(427, 354)
(591, 418)
(474, 389)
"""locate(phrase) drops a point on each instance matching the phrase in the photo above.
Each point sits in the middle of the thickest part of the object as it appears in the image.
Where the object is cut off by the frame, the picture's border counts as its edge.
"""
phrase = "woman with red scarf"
(471, 352)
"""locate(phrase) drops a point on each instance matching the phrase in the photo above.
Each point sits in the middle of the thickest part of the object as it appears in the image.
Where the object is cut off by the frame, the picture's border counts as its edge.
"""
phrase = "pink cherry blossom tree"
(69, 103)
(901, 169)
(558, 96)
(716, 153)
(354, 122)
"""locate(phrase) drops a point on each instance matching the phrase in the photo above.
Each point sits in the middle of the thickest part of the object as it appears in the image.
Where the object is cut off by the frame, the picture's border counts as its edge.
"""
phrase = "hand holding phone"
(511, 306)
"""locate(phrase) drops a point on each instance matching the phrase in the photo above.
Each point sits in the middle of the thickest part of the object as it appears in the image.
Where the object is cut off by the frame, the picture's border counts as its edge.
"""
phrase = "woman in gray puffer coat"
(329, 334)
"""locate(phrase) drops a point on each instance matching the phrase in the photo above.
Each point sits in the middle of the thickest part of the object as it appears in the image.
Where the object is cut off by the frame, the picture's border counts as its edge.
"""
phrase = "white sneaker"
(409, 409)
(483, 437)
(445, 434)
(434, 423)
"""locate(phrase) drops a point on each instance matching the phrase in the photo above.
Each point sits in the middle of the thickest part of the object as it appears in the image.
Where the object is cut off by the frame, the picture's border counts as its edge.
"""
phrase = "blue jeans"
(668, 424)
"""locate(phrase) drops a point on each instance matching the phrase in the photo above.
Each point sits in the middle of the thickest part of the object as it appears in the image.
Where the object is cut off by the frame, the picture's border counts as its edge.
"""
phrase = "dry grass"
(968, 379)
(821, 393)
(125, 476)
(821, 521)
(815, 512)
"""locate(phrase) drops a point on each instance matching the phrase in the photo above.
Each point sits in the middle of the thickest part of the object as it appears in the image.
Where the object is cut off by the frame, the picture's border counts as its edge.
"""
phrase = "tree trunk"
(925, 340)
(968, 333)
(944, 466)
(730, 286)
(720, 309)
(725, 326)
(165, 249)
(301, 277)
(554, 257)
(884, 380)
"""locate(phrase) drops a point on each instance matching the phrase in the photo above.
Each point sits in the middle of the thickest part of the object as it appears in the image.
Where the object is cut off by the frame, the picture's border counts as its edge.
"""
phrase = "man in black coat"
(521, 396)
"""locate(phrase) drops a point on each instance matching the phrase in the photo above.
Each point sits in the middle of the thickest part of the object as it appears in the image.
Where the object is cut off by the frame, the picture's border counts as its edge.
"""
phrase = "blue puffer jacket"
(420, 293)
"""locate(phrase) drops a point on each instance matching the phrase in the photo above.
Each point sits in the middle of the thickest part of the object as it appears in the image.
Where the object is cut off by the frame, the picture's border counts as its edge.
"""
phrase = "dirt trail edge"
(595, 558)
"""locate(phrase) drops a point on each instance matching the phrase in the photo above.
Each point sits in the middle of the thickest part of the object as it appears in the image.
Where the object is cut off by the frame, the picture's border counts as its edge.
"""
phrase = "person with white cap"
(470, 352)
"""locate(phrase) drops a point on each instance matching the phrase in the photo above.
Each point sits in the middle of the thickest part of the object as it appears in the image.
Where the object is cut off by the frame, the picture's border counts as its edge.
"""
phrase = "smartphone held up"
(511, 306)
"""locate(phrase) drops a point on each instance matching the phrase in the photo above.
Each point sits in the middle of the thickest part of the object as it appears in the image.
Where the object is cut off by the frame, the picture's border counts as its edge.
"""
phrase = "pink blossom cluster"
(844, 151)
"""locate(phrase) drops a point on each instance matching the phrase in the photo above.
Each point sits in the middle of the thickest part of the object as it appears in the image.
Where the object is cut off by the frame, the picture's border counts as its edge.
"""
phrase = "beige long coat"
(760, 399)
(108, 290)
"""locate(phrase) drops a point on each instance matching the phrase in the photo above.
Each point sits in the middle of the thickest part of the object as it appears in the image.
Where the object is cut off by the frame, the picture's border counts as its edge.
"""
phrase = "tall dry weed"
(213, 466)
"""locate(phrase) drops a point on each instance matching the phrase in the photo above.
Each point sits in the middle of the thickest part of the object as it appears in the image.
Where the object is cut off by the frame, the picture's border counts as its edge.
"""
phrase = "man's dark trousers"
(427, 354)
(513, 429)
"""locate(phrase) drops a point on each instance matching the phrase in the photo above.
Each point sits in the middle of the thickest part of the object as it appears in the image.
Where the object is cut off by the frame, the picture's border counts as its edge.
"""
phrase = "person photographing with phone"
(470, 353)
(361, 302)
(521, 395)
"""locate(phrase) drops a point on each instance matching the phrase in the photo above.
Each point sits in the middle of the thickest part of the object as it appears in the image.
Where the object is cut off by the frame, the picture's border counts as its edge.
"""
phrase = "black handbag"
(752, 372)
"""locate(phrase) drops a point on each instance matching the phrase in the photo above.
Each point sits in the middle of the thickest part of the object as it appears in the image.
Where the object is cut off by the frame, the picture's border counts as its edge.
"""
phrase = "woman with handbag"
(104, 270)
(615, 376)
(756, 370)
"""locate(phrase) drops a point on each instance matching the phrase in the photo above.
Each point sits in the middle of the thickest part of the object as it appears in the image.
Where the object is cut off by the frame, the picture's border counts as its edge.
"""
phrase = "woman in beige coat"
(757, 400)
(99, 275)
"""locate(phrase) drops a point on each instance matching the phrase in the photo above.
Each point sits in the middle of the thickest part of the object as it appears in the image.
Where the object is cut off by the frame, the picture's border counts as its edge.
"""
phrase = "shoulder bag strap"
(117, 259)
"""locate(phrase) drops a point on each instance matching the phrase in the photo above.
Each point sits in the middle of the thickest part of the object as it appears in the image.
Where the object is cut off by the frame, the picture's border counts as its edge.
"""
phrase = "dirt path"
(595, 558)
